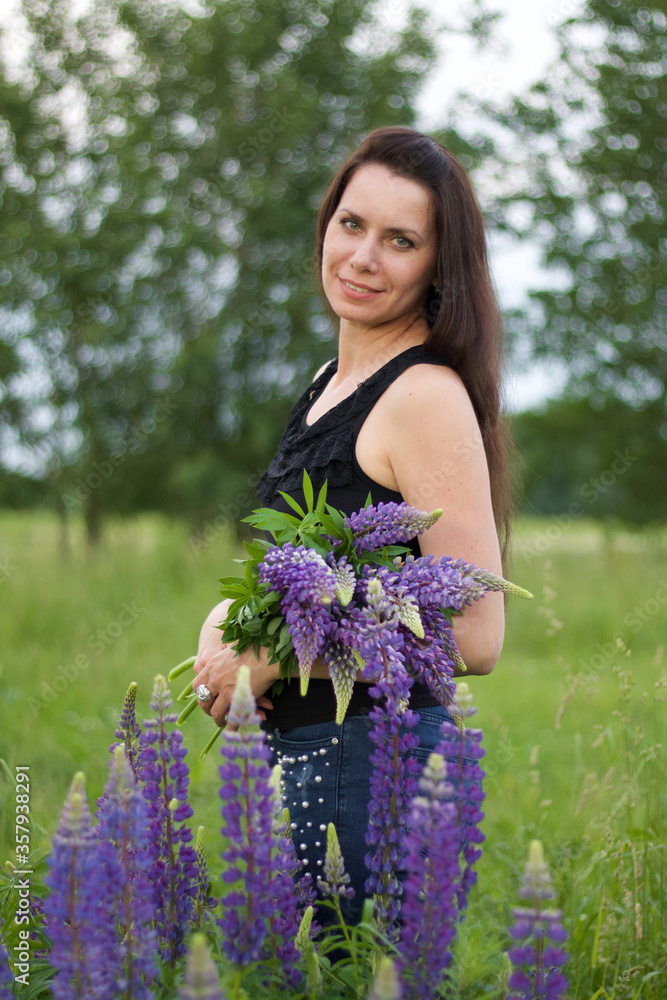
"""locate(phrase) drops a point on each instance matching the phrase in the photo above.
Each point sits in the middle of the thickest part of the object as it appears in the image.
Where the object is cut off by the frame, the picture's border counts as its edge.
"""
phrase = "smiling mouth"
(359, 288)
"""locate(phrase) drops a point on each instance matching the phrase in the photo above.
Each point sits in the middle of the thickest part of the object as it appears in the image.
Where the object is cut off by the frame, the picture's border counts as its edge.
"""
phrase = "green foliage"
(595, 196)
(573, 719)
(607, 461)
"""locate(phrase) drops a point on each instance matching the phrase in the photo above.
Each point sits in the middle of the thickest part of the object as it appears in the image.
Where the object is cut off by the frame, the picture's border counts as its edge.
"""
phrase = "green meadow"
(573, 717)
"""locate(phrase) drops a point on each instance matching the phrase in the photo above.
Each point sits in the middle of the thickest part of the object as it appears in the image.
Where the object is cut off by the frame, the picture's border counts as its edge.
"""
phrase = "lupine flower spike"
(173, 873)
(538, 933)
(393, 778)
(261, 906)
(307, 586)
(128, 731)
(122, 826)
(201, 977)
(429, 908)
(387, 524)
(78, 907)
(463, 744)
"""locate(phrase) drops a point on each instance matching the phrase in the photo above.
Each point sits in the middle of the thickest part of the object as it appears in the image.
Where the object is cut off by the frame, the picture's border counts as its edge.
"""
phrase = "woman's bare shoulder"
(434, 390)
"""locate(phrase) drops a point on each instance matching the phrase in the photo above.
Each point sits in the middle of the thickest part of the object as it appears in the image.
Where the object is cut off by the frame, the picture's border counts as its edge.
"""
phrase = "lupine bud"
(408, 615)
(337, 879)
(342, 664)
(128, 730)
(387, 984)
(346, 581)
(201, 977)
(303, 934)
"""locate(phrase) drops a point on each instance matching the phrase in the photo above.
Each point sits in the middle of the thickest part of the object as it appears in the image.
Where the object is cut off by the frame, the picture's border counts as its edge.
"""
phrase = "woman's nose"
(365, 255)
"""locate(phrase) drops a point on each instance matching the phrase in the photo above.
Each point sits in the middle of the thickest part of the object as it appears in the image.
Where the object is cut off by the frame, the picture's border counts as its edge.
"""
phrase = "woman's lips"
(353, 293)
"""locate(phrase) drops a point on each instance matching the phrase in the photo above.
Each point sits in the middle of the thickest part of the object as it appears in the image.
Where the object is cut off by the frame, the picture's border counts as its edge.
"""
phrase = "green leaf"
(257, 549)
(307, 490)
(293, 504)
(267, 519)
(338, 519)
(321, 499)
(274, 624)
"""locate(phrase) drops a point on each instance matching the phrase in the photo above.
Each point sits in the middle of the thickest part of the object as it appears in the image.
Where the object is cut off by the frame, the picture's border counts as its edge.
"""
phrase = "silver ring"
(204, 694)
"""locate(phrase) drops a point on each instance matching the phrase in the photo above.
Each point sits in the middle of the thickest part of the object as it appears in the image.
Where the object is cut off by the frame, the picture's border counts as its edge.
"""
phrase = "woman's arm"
(435, 450)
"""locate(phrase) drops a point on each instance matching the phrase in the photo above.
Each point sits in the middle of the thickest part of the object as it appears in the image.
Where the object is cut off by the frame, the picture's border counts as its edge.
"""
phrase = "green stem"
(353, 951)
(181, 668)
(188, 710)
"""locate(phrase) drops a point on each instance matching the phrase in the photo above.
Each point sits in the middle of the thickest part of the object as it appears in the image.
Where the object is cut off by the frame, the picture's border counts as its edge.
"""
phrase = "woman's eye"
(405, 244)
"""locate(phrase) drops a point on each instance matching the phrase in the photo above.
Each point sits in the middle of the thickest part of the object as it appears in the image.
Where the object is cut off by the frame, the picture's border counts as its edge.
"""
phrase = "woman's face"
(381, 241)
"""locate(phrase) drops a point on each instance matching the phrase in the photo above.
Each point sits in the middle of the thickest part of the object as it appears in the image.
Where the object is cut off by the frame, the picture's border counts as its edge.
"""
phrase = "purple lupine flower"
(388, 524)
(287, 912)
(201, 976)
(432, 659)
(6, 977)
(308, 586)
(463, 744)
(537, 964)
(393, 779)
(128, 731)
(450, 583)
(123, 829)
(84, 947)
(429, 908)
(299, 572)
(336, 880)
(308, 627)
(247, 826)
(173, 871)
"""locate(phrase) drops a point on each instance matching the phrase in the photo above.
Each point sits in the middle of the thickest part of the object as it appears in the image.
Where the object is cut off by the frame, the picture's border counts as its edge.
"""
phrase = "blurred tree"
(601, 461)
(592, 189)
(161, 171)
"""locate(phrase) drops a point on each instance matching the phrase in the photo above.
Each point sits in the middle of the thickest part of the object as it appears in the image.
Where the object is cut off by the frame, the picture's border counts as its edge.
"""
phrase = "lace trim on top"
(327, 455)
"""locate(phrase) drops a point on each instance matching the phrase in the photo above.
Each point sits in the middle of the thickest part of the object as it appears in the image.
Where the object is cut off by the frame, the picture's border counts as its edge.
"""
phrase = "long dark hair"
(464, 319)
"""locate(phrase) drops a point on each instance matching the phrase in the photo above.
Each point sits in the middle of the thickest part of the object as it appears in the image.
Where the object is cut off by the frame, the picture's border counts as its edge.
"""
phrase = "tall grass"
(572, 715)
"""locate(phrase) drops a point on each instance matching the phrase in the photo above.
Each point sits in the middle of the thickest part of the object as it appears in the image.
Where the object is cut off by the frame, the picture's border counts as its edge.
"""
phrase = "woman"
(409, 410)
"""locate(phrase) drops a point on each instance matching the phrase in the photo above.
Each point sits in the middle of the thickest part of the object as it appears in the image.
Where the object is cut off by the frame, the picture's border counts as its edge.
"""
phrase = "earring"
(438, 288)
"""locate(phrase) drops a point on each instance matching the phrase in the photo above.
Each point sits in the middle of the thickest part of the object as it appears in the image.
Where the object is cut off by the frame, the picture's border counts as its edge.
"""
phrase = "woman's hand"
(217, 667)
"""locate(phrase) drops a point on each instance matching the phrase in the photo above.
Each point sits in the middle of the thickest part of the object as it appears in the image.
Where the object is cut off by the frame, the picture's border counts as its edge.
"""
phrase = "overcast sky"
(525, 48)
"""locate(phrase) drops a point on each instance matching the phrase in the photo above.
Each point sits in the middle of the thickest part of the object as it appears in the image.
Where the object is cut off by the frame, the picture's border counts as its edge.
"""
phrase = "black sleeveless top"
(326, 449)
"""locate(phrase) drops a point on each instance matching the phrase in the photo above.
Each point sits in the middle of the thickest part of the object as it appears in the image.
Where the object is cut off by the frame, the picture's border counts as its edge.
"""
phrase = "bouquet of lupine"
(349, 589)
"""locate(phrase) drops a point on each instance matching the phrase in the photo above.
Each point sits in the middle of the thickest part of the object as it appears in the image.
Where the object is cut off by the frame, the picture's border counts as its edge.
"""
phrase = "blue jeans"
(326, 772)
